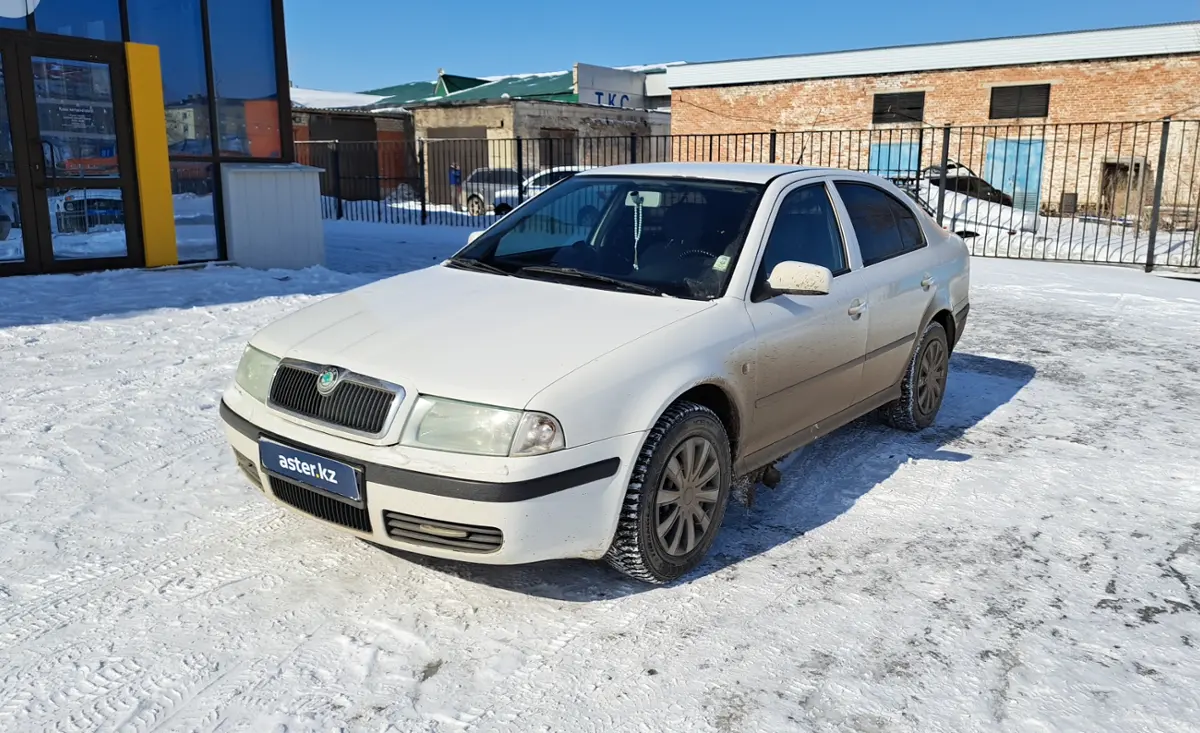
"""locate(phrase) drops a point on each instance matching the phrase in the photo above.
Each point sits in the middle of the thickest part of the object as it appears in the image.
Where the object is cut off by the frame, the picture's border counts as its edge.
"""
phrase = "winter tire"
(676, 498)
(924, 385)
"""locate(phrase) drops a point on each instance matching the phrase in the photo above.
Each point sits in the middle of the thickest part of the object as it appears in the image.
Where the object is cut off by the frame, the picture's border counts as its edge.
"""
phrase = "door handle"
(856, 309)
(927, 283)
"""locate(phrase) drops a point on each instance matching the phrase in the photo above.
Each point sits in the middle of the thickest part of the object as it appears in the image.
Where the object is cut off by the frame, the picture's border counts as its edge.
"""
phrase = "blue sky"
(351, 45)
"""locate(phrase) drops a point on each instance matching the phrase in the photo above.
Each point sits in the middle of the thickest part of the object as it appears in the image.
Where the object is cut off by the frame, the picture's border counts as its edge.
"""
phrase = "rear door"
(810, 347)
(898, 276)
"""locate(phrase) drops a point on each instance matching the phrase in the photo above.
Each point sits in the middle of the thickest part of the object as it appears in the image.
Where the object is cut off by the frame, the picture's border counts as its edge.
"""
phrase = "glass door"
(15, 254)
(78, 191)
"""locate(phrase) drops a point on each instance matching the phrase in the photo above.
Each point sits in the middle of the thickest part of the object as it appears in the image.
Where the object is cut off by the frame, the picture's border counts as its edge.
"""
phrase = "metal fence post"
(633, 147)
(421, 179)
(773, 133)
(1158, 187)
(337, 178)
(941, 207)
(520, 171)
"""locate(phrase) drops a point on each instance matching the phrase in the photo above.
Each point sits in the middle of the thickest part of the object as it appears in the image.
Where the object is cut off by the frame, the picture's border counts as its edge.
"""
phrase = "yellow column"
(150, 150)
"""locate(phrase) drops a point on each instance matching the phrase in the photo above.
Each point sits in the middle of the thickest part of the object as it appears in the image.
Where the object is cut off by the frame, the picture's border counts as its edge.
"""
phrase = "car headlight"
(255, 371)
(465, 427)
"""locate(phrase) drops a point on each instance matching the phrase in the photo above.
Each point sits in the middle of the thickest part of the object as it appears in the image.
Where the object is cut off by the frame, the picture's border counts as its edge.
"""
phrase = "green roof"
(449, 84)
(403, 94)
(448, 89)
(557, 87)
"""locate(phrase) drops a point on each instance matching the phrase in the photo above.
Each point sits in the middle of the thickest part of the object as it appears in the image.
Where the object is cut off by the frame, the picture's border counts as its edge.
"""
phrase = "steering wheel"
(694, 252)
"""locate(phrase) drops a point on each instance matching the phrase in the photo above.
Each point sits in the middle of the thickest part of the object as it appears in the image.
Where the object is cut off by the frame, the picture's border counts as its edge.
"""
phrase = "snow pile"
(322, 99)
(1031, 563)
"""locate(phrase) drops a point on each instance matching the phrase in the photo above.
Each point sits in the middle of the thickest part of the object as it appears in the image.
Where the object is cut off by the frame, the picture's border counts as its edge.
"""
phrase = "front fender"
(628, 389)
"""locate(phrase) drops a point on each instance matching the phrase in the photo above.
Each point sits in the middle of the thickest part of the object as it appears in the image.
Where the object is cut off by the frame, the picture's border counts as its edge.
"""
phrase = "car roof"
(739, 172)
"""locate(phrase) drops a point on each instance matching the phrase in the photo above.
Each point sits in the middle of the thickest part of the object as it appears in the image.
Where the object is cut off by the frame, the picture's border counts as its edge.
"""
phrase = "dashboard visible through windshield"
(658, 236)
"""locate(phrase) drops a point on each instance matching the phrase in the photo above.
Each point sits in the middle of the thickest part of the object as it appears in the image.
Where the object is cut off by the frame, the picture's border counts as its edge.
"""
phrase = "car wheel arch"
(944, 317)
(717, 396)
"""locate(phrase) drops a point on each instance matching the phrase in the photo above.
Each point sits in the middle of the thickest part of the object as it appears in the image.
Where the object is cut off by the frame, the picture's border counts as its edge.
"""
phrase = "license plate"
(311, 470)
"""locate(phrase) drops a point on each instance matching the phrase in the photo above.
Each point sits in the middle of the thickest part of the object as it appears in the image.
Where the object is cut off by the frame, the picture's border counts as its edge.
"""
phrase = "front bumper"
(497, 511)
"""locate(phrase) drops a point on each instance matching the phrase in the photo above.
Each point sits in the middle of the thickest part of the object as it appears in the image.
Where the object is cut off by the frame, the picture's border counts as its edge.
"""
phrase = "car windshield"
(669, 236)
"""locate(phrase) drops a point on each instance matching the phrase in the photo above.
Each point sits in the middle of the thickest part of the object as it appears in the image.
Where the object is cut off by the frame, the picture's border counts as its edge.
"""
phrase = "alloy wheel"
(931, 377)
(687, 496)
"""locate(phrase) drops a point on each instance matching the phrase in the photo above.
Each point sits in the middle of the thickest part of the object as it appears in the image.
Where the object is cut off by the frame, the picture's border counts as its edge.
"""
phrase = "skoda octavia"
(588, 376)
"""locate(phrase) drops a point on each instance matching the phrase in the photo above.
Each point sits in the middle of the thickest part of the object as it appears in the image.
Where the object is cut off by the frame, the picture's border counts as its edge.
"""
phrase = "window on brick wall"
(898, 107)
(1030, 100)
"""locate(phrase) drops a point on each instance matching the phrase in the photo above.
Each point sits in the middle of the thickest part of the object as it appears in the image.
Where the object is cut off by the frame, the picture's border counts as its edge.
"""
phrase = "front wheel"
(924, 384)
(676, 497)
(475, 206)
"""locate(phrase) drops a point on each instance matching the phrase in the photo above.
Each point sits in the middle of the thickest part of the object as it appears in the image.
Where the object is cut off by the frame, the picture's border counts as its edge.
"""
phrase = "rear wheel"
(924, 385)
(503, 209)
(676, 498)
(475, 206)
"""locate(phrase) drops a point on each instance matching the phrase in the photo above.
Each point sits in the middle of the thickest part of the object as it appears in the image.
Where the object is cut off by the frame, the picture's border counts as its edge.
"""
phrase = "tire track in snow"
(658, 637)
(133, 472)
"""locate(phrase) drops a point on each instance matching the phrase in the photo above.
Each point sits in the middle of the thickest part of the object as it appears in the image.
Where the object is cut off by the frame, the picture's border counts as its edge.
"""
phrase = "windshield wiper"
(590, 277)
(467, 263)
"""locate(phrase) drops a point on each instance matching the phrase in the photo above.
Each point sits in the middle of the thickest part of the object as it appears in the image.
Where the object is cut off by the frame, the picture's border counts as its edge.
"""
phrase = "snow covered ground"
(1032, 563)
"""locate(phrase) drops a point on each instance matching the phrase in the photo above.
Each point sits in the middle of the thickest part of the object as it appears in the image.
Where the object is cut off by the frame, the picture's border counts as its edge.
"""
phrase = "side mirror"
(800, 278)
(967, 235)
(473, 236)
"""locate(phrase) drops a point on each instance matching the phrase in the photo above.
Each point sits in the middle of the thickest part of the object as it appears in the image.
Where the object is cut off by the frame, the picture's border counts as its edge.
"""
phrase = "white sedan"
(587, 377)
(508, 199)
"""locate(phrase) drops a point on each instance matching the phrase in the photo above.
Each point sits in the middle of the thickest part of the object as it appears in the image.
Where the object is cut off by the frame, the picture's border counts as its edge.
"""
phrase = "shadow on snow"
(46, 299)
(820, 484)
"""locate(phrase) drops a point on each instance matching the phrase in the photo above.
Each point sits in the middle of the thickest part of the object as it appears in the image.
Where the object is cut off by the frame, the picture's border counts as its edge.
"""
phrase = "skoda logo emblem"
(328, 380)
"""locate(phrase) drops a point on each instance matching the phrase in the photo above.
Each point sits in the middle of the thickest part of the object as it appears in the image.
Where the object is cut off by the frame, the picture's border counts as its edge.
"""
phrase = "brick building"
(1015, 105)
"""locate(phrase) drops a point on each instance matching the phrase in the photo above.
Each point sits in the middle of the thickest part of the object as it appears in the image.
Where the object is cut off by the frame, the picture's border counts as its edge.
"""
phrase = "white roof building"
(1135, 42)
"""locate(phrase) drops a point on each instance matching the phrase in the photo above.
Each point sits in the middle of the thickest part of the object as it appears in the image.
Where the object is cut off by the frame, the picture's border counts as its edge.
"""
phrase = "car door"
(897, 277)
(810, 347)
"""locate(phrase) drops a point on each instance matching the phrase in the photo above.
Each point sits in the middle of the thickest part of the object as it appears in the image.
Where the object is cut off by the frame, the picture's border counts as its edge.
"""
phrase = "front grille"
(320, 506)
(352, 405)
(435, 533)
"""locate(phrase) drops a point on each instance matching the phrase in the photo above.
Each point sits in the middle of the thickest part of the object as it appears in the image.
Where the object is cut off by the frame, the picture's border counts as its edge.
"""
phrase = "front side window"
(885, 228)
(656, 235)
(541, 180)
(805, 230)
(556, 176)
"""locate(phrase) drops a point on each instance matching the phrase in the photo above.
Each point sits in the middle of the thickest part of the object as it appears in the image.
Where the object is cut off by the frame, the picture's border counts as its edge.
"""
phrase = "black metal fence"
(1109, 192)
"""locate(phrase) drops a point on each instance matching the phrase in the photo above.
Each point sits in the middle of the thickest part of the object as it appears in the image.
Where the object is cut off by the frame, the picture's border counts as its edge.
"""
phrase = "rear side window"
(494, 175)
(885, 227)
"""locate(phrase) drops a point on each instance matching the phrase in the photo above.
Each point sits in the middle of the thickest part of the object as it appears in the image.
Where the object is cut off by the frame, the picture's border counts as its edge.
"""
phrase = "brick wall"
(829, 123)
(1140, 89)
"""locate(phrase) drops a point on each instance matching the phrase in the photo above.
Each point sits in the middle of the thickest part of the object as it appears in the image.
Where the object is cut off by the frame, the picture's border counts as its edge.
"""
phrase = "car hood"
(471, 336)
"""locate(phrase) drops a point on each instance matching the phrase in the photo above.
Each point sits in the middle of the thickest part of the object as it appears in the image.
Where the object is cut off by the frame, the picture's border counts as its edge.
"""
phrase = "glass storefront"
(71, 199)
